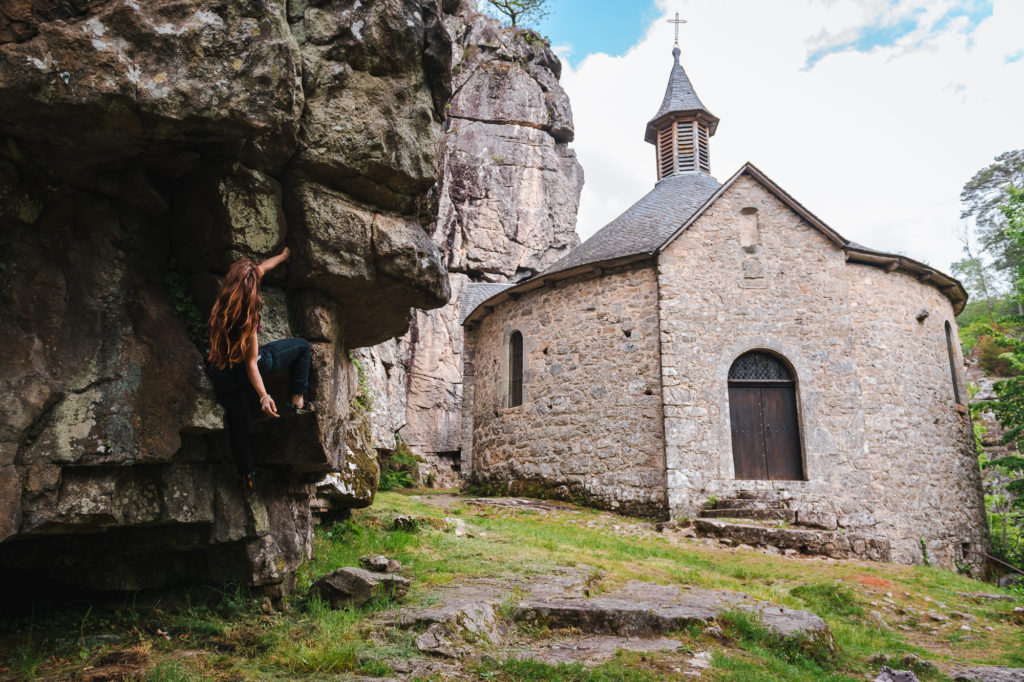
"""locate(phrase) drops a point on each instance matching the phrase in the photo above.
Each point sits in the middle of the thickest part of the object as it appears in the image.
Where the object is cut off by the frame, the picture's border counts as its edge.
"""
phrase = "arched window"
(762, 412)
(952, 363)
(515, 369)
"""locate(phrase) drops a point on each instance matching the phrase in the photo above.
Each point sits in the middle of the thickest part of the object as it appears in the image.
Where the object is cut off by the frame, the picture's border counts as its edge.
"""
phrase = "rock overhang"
(124, 153)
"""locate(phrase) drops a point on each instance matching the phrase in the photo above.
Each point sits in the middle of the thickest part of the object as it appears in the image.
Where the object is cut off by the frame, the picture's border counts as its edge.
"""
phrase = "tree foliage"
(1008, 407)
(1012, 211)
(519, 12)
(982, 197)
(972, 271)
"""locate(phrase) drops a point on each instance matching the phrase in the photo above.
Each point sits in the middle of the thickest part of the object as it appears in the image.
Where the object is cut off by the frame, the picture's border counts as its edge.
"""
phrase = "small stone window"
(952, 364)
(515, 369)
(750, 230)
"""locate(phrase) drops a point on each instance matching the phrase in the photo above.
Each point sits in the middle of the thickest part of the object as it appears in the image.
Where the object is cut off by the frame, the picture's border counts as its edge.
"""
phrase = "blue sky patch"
(878, 35)
(975, 11)
(589, 26)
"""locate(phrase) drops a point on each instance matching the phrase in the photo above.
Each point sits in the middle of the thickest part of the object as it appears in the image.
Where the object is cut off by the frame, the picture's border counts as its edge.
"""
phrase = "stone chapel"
(718, 347)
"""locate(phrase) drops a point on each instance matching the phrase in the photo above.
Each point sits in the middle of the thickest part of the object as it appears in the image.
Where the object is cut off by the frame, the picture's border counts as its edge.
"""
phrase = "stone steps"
(765, 495)
(641, 609)
(744, 503)
(835, 544)
(777, 514)
(643, 613)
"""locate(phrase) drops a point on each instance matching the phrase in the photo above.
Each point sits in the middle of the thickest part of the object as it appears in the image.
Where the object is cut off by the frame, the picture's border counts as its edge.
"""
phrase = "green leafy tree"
(1007, 504)
(982, 197)
(519, 12)
(973, 272)
(1005, 501)
(1012, 211)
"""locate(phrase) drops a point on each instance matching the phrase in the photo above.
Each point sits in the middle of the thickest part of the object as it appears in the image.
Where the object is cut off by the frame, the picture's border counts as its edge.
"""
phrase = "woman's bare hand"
(272, 262)
(269, 407)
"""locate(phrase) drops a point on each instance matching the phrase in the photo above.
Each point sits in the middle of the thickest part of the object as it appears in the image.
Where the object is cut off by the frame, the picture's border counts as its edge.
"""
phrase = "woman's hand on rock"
(272, 262)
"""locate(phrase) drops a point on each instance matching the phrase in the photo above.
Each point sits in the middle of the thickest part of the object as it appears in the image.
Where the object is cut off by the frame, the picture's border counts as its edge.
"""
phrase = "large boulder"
(355, 252)
(508, 209)
(166, 77)
(370, 123)
(146, 146)
(512, 185)
(351, 586)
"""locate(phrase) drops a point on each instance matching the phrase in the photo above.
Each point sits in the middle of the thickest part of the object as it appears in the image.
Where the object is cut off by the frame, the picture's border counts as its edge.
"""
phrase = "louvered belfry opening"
(683, 147)
(703, 148)
(666, 159)
(686, 154)
(681, 130)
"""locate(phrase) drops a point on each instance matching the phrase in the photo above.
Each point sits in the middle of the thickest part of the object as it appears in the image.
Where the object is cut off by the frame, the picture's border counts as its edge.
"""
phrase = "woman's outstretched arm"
(266, 402)
(273, 262)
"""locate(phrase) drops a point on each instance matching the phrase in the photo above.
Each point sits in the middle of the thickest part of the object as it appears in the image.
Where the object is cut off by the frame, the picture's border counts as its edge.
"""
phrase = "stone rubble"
(354, 587)
(887, 674)
(380, 564)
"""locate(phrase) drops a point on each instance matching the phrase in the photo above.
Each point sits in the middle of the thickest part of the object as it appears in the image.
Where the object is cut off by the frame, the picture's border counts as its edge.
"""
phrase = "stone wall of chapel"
(590, 426)
(920, 445)
(886, 451)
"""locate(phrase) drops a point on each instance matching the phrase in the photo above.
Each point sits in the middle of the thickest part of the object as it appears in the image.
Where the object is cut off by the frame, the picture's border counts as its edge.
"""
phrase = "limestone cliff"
(507, 209)
(144, 146)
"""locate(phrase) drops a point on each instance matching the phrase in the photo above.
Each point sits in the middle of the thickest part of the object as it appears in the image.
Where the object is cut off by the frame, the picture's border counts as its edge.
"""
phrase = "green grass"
(830, 599)
(813, 656)
(173, 671)
(528, 670)
(223, 635)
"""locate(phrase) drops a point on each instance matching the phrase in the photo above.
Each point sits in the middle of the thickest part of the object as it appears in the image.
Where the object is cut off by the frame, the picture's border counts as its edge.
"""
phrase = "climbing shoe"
(308, 407)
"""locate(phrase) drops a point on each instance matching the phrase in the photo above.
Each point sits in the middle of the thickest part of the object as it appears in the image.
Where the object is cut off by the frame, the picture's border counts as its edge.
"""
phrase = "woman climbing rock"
(237, 363)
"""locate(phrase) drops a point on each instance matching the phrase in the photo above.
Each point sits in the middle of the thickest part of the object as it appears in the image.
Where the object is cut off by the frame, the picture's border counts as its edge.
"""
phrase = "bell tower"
(682, 128)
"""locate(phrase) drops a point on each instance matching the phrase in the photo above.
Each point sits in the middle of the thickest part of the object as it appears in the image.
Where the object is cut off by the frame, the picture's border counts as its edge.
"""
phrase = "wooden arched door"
(765, 428)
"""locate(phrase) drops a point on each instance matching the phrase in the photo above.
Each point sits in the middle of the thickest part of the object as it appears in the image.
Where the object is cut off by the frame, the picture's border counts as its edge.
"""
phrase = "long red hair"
(235, 314)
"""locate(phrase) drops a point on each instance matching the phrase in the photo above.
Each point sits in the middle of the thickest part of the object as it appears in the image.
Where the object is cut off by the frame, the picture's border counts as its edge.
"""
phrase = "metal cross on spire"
(677, 21)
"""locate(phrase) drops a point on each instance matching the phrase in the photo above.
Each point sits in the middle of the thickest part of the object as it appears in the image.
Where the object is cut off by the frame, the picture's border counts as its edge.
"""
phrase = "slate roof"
(476, 293)
(679, 97)
(675, 203)
(646, 224)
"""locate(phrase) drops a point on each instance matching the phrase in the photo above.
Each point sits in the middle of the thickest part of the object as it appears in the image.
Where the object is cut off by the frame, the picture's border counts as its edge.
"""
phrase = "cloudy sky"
(872, 113)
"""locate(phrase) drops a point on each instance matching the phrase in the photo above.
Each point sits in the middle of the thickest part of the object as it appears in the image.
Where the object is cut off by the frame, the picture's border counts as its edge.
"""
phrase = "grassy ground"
(224, 635)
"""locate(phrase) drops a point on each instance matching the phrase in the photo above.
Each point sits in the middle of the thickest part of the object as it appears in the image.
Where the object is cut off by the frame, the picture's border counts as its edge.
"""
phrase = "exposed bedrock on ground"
(143, 148)
(507, 206)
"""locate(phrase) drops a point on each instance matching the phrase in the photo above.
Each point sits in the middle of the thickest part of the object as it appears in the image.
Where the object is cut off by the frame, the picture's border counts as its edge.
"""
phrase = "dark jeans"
(238, 396)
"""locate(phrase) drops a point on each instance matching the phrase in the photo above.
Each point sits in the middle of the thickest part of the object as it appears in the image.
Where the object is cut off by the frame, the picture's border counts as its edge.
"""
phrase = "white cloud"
(877, 143)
